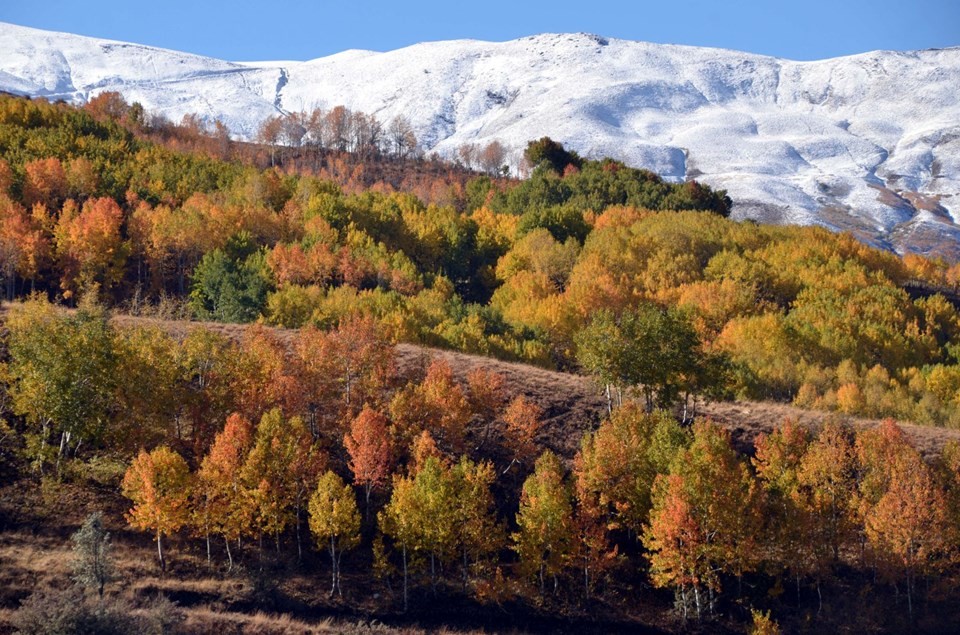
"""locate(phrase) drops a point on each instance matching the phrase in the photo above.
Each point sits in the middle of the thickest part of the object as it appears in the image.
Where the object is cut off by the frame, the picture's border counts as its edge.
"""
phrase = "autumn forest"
(199, 352)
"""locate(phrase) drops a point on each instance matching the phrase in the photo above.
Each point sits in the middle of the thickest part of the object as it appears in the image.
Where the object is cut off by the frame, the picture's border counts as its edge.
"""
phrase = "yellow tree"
(278, 469)
(777, 461)
(421, 517)
(158, 484)
(617, 464)
(545, 540)
(334, 521)
(479, 534)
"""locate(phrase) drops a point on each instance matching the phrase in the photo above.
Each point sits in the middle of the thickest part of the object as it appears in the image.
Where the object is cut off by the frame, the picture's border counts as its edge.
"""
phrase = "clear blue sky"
(304, 29)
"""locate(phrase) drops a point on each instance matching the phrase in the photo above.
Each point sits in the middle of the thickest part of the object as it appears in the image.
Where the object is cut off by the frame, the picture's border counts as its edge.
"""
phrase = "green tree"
(554, 154)
(654, 350)
(93, 564)
(232, 284)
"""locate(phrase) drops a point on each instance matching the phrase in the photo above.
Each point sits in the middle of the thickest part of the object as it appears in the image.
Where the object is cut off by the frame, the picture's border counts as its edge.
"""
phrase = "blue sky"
(303, 29)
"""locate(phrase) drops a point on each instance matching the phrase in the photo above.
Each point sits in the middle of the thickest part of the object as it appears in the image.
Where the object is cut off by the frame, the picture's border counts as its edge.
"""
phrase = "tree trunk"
(910, 596)
(229, 555)
(299, 546)
(404, 578)
(339, 589)
(163, 564)
(64, 440)
(333, 565)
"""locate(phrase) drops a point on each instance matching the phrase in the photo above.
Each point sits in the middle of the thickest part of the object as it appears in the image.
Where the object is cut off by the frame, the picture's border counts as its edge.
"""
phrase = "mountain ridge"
(867, 143)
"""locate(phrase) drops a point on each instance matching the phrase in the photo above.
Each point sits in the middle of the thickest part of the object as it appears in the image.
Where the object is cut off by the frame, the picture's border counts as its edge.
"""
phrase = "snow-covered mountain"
(868, 143)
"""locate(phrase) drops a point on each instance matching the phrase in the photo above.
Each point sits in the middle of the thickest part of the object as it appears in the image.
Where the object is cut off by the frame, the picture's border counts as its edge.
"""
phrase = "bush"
(61, 612)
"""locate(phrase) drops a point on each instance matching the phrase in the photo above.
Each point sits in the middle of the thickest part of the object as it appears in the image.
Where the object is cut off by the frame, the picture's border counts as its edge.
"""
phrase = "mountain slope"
(868, 143)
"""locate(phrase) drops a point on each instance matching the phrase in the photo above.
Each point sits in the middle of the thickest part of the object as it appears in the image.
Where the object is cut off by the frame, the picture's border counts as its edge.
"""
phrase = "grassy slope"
(574, 404)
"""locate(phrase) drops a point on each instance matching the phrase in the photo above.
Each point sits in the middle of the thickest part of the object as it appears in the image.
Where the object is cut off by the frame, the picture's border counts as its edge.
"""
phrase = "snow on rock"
(868, 143)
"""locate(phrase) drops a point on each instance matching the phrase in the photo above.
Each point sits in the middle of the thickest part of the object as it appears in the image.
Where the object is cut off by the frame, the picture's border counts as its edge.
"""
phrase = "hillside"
(867, 143)
(574, 404)
(266, 584)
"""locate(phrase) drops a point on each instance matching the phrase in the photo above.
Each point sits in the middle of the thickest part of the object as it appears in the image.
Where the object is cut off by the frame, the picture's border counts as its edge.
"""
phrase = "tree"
(421, 516)
(270, 133)
(478, 534)
(618, 463)
(334, 521)
(44, 182)
(545, 540)
(282, 466)
(62, 366)
(344, 369)
(485, 394)
(149, 399)
(93, 564)
(904, 508)
(401, 137)
(522, 421)
(231, 284)
(265, 377)
(491, 158)
(826, 478)
(371, 457)
(777, 462)
(225, 504)
(23, 246)
(676, 542)
(158, 483)
(554, 154)
(437, 404)
(90, 247)
(206, 361)
(705, 518)
(652, 349)
(909, 529)
(399, 521)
